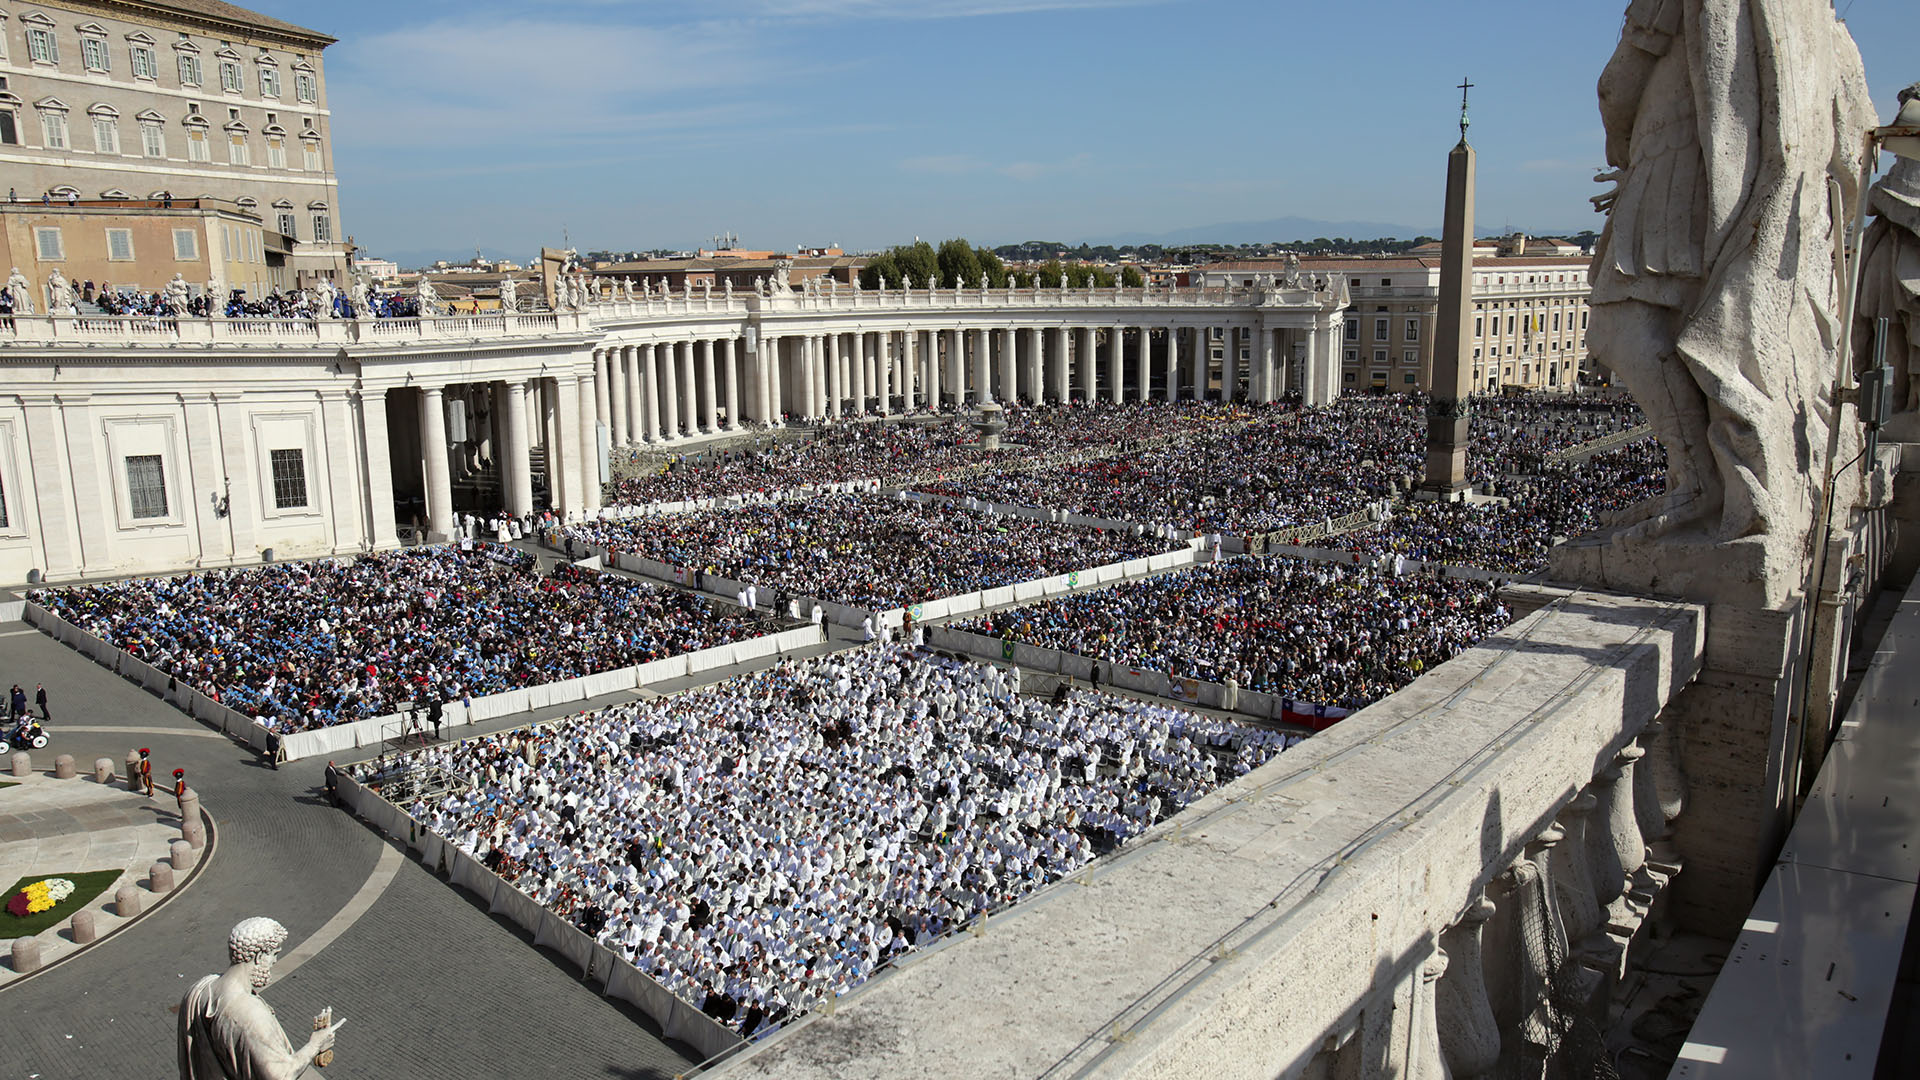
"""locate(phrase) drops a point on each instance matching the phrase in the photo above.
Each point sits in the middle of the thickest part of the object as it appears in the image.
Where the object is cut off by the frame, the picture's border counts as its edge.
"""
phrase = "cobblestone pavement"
(434, 987)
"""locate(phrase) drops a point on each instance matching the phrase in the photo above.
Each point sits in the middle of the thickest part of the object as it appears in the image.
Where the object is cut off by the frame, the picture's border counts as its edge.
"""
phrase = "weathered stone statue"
(323, 295)
(216, 302)
(59, 294)
(1715, 294)
(1890, 285)
(427, 299)
(358, 301)
(227, 1033)
(509, 295)
(782, 273)
(176, 295)
(21, 292)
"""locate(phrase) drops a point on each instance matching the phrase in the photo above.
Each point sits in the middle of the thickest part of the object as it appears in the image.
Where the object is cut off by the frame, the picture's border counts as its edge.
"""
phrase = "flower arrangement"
(40, 896)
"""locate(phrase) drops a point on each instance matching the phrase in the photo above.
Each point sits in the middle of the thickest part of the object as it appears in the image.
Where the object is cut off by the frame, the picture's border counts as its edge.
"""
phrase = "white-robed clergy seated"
(768, 843)
(227, 1032)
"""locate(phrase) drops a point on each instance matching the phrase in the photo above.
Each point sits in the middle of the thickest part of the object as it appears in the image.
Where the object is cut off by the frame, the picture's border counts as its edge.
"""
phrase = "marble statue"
(626, 288)
(782, 274)
(176, 295)
(509, 295)
(426, 297)
(216, 304)
(358, 301)
(21, 291)
(706, 289)
(760, 286)
(323, 295)
(227, 1033)
(984, 283)
(729, 285)
(59, 294)
(1890, 285)
(1715, 294)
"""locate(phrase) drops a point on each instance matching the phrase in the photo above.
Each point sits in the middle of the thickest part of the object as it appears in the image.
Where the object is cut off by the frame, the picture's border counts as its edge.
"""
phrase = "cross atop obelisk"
(1447, 409)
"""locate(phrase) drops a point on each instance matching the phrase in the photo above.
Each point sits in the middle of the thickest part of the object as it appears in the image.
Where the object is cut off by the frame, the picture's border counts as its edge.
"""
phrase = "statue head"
(1911, 93)
(256, 942)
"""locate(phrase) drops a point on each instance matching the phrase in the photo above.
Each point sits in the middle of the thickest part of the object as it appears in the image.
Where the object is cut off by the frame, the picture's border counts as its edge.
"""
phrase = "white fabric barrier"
(12, 610)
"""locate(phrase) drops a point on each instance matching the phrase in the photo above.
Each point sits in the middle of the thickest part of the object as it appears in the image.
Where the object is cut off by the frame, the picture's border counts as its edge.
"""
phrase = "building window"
(1349, 377)
(286, 224)
(1413, 329)
(106, 135)
(1353, 329)
(186, 245)
(198, 148)
(41, 46)
(146, 486)
(153, 139)
(1479, 325)
(46, 240)
(9, 128)
(305, 86)
(269, 82)
(93, 53)
(322, 229)
(310, 155)
(53, 128)
(145, 64)
(1380, 357)
(276, 153)
(1353, 356)
(1379, 329)
(230, 77)
(189, 69)
(1410, 379)
(289, 479)
(120, 245)
(237, 148)
(1410, 357)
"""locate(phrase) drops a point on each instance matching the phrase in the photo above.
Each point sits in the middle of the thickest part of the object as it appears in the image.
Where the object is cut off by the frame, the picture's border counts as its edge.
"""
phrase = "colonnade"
(484, 433)
(664, 392)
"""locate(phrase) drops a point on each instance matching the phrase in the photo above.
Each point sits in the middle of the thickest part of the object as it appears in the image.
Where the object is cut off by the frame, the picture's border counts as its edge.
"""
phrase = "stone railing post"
(1574, 874)
(1425, 1058)
(1469, 1034)
(1617, 848)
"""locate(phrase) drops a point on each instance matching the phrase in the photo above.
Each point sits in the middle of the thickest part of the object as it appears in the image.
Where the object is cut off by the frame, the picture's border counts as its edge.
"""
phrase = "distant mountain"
(1275, 230)
(1289, 229)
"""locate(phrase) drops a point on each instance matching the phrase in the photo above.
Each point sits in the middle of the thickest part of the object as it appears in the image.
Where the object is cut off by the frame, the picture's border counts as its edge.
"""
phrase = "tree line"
(958, 264)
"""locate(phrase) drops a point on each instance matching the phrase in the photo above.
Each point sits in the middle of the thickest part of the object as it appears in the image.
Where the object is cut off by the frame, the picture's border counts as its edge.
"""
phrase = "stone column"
(1036, 378)
(569, 463)
(603, 361)
(1469, 1035)
(1310, 371)
(647, 389)
(1229, 363)
(982, 367)
(433, 446)
(668, 381)
(1327, 377)
(518, 473)
(618, 361)
(836, 380)
(590, 405)
(770, 376)
(852, 362)
(883, 367)
(1144, 372)
(1009, 366)
(933, 370)
(819, 374)
(1202, 361)
(1117, 364)
(1059, 390)
(1087, 358)
(730, 364)
(909, 368)
(709, 390)
(957, 367)
(687, 400)
(1267, 373)
(1173, 364)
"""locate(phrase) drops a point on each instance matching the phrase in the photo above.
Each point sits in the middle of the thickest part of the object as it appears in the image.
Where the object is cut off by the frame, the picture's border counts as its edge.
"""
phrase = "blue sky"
(640, 124)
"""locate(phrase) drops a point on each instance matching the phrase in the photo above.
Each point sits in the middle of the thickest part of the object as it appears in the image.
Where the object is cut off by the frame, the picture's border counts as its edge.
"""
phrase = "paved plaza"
(431, 983)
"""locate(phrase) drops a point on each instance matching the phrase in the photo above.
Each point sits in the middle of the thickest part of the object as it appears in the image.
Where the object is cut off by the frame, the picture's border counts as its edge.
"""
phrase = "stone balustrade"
(1445, 883)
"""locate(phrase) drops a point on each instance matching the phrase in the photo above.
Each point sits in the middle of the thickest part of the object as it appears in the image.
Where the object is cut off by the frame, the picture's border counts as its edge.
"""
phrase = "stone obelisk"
(1447, 409)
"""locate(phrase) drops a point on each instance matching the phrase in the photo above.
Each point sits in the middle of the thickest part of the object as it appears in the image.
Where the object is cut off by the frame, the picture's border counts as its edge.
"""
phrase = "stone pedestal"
(160, 879)
(126, 901)
(1739, 750)
(103, 770)
(133, 771)
(26, 955)
(22, 764)
(63, 767)
(84, 930)
(182, 855)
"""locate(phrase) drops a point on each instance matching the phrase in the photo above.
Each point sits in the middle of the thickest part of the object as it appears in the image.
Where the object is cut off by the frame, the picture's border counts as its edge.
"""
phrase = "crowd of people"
(931, 448)
(868, 550)
(1322, 632)
(305, 645)
(766, 844)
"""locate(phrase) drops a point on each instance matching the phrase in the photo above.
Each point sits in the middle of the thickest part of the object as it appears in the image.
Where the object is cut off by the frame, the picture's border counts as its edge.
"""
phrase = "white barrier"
(677, 1019)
